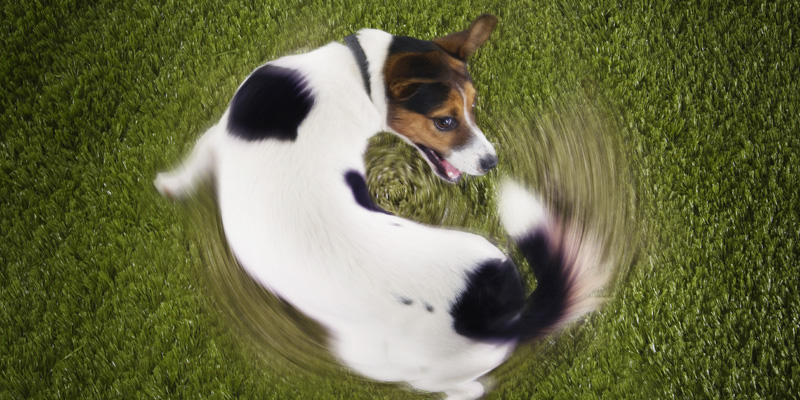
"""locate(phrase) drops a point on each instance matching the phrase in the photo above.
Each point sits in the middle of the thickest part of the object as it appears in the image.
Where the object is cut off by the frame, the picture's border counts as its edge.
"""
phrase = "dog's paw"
(466, 391)
(168, 185)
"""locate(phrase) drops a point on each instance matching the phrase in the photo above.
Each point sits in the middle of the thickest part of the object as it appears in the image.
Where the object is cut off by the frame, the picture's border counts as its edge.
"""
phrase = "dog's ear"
(462, 44)
(408, 71)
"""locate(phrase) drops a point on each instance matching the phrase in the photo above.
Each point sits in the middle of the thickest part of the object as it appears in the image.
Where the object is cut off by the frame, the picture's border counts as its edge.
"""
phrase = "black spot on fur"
(429, 307)
(547, 304)
(270, 104)
(420, 67)
(360, 192)
(405, 44)
(427, 98)
(493, 306)
(492, 301)
(405, 300)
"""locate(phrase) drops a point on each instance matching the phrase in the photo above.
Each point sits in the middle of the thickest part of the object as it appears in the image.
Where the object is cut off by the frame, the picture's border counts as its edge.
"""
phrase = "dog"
(401, 301)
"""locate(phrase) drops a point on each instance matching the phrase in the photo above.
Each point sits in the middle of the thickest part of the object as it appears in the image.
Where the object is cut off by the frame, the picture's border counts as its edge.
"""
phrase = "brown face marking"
(430, 95)
(415, 102)
(427, 81)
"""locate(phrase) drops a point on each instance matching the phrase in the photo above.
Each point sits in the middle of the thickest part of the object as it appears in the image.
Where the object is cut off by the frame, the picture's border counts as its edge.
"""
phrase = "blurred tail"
(563, 259)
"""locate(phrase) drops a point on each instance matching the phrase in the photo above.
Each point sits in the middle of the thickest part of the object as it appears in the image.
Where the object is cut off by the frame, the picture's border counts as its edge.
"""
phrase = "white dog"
(402, 302)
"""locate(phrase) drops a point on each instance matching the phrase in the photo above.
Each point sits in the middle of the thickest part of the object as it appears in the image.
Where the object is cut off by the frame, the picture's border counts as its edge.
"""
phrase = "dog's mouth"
(442, 167)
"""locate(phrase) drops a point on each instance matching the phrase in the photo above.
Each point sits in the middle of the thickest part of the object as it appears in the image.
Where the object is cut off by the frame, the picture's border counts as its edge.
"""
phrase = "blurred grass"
(99, 282)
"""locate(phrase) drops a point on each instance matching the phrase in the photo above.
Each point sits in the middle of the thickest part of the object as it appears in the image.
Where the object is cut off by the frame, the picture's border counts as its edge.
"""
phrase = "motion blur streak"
(570, 152)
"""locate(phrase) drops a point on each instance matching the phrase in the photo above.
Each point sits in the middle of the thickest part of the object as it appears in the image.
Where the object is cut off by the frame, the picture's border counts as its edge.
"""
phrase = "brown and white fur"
(402, 302)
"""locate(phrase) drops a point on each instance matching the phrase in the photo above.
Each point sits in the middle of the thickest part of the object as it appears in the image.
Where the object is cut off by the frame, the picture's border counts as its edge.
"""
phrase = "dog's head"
(431, 98)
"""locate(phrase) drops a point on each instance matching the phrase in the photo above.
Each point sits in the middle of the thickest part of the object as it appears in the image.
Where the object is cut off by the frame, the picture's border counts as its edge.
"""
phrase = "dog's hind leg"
(183, 180)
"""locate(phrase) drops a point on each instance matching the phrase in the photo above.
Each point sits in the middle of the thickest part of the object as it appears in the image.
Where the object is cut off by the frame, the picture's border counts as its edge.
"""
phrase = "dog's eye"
(445, 123)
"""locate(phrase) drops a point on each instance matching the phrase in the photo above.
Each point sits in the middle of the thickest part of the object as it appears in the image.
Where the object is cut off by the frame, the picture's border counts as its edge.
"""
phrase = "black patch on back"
(270, 104)
(491, 303)
(405, 44)
(405, 300)
(360, 192)
(427, 97)
(428, 307)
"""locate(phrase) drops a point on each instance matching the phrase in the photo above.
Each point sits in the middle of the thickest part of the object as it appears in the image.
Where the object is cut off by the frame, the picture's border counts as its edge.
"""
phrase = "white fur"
(293, 224)
(519, 210)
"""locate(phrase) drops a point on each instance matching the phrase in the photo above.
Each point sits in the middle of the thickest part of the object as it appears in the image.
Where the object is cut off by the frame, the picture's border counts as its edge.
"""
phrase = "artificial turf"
(100, 295)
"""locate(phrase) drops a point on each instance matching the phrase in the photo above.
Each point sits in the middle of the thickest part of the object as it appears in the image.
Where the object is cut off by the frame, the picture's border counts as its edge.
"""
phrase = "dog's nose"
(488, 162)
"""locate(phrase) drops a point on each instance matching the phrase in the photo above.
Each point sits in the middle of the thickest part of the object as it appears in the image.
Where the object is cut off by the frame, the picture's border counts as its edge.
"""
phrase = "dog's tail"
(564, 259)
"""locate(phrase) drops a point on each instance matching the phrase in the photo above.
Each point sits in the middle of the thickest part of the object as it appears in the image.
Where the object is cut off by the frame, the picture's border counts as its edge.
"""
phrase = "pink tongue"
(451, 171)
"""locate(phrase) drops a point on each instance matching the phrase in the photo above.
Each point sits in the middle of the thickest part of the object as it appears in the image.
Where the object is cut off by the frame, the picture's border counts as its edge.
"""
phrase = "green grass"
(101, 290)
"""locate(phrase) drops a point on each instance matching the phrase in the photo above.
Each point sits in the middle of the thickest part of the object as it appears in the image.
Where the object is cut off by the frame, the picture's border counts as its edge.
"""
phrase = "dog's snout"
(488, 162)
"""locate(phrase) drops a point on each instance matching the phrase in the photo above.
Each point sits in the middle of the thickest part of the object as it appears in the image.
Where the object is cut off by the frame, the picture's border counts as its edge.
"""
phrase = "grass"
(100, 292)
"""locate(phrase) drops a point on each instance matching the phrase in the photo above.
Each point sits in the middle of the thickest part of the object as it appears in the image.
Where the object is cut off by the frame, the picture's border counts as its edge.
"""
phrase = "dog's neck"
(375, 44)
